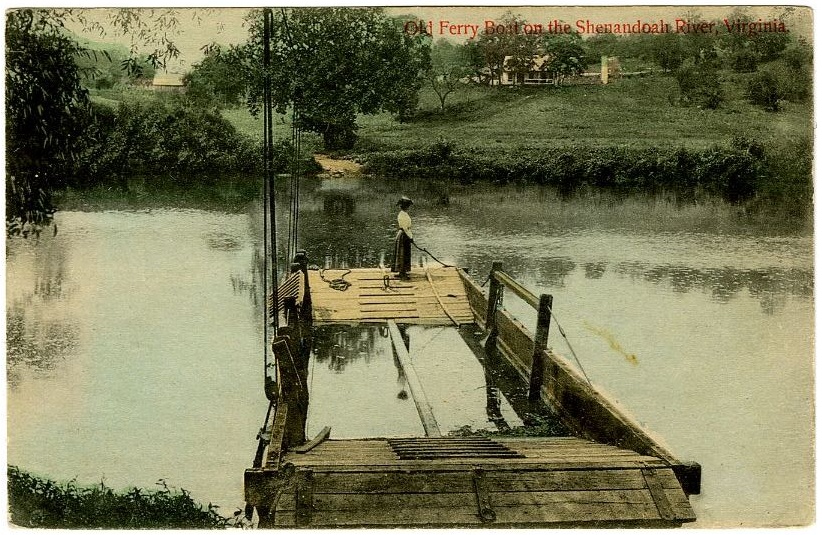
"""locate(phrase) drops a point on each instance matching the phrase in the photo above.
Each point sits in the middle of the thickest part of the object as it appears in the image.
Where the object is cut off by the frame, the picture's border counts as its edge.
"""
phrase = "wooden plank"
(566, 480)
(462, 516)
(517, 340)
(429, 423)
(275, 443)
(489, 464)
(484, 509)
(304, 497)
(308, 446)
(387, 293)
(461, 509)
(658, 494)
(392, 482)
(445, 482)
(517, 288)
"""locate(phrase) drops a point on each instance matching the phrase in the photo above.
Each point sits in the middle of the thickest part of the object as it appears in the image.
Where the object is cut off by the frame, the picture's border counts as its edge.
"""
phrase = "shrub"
(39, 503)
(699, 85)
(733, 173)
(765, 90)
(154, 138)
(786, 184)
(744, 60)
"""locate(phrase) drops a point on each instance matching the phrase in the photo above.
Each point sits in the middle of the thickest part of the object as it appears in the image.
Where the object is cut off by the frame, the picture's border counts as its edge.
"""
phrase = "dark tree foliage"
(43, 94)
(513, 51)
(668, 51)
(699, 85)
(155, 139)
(47, 105)
(566, 55)
(765, 90)
(215, 79)
(335, 63)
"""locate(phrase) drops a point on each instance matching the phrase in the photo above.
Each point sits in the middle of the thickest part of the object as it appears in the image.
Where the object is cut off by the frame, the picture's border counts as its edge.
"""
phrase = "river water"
(134, 341)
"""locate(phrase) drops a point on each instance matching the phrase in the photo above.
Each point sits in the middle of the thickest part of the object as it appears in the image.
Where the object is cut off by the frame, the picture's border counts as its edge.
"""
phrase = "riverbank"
(626, 138)
(36, 502)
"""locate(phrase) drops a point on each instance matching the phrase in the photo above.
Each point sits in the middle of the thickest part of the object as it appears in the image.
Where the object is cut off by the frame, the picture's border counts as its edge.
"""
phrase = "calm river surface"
(134, 339)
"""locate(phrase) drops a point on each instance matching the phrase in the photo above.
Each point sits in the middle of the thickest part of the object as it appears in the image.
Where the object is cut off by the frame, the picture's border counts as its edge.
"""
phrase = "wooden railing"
(581, 407)
(499, 280)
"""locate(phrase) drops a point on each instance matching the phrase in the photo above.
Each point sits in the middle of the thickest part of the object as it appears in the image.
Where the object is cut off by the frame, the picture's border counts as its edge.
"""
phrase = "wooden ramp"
(468, 481)
(432, 296)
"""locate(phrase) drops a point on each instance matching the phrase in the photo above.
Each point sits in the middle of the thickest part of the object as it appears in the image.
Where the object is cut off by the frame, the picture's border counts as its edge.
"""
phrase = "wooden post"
(494, 295)
(540, 343)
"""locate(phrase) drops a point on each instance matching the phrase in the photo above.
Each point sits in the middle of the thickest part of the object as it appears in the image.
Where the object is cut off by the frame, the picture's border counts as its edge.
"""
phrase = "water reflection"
(770, 286)
(35, 343)
(359, 386)
(38, 335)
(339, 346)
(595, 270)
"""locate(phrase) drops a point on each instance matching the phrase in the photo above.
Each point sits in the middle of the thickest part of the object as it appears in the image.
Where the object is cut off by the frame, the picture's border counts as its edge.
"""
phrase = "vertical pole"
(268, 382)
(302, 260)
(540, 343)
(494, 295)
(268, 142)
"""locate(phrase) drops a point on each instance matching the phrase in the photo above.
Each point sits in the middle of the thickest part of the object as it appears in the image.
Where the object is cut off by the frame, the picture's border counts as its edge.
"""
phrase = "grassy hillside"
(634, 112)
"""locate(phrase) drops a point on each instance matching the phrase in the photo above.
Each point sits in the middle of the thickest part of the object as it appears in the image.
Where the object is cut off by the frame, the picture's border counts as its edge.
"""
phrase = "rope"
(568, 342)
(439, 300)
(429, 254)
(294, 161)
(339, 284)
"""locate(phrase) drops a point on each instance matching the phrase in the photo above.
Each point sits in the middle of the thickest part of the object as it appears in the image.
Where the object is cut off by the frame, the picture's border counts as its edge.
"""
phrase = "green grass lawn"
(629, 112)
(252, 127)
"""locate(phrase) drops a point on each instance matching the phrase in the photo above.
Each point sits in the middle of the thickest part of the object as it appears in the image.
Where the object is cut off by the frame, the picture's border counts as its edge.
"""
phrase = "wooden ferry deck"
(475, 481)
(432, 296)
(610, 474)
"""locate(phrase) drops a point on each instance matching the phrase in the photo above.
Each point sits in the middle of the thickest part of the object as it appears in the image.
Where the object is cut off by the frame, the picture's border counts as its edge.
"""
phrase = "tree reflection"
(39, 336)
(340, 345)
(770, 285)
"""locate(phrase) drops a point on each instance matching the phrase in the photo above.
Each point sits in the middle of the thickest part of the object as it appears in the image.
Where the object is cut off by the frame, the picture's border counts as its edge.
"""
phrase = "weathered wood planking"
(435, 296)
(591, 486)
(582, 408)
(551, 482)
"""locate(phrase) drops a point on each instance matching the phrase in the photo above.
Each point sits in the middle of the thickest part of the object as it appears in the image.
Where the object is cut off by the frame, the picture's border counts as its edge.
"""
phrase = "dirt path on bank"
(338, 168)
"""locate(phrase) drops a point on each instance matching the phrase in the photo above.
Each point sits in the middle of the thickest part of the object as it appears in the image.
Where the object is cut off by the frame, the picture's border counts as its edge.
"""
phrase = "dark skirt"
(402, 254)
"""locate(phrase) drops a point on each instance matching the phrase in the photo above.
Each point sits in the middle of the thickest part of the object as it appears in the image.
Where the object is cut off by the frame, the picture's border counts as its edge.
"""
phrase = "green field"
(630, 112)
(635, 112)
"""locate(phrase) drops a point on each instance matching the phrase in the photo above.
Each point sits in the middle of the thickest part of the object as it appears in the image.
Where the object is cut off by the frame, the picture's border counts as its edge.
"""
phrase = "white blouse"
(404, 222)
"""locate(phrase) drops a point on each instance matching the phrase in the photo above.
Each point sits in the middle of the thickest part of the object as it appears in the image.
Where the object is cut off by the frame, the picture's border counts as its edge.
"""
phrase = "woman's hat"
(405, 201)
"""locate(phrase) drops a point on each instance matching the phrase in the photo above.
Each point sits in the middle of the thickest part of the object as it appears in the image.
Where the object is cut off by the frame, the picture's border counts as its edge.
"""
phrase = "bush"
(786, 184)
(153, 138)
(39, 503)
(733, 173)
(744, 60)
(765, 90)
(699, 85)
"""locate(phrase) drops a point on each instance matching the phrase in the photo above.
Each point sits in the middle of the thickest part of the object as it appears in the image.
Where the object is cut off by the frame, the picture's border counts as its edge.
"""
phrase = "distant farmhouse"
(168, 82)
(538, 73)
